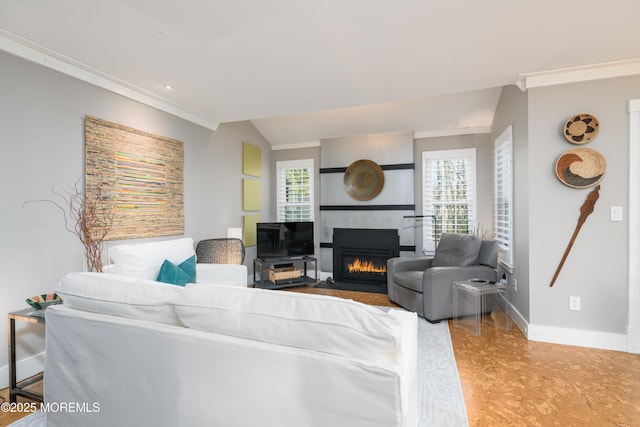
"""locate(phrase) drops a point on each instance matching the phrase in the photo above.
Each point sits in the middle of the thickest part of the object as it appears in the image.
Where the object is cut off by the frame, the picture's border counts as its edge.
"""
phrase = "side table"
(477, 301)
(19, 388)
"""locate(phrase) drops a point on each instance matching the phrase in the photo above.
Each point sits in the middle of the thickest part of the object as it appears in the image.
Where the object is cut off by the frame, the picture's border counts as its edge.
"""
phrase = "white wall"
(42, 138)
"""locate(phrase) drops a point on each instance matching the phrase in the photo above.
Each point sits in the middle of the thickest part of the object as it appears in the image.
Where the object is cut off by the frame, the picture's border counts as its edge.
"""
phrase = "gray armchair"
(424, 284)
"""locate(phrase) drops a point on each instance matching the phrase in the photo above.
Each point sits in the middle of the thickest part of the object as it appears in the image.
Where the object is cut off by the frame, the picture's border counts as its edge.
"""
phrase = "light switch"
(616, 213)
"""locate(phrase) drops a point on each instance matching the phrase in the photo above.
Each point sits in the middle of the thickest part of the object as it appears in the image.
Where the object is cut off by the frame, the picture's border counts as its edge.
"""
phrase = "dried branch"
(90, 219)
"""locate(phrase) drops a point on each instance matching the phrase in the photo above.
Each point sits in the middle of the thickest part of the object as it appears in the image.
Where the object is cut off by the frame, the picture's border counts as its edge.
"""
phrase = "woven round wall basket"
(581, 128)
(363, 180)
(581, 167)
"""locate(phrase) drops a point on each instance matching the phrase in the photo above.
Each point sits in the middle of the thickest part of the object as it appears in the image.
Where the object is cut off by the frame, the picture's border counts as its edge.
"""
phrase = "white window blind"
(503, 209)
(294, 190)
(449, 194)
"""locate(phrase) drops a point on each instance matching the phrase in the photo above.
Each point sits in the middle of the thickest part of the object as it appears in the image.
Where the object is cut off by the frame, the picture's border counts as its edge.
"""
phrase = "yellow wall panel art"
(249, 228)
(251, 159)
(251, 195)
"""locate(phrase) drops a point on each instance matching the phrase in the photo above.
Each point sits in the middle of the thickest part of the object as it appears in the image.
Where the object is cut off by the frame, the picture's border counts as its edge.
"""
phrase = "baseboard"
(575, 337)
(26, 368)
(518, 319)
(633, 340)
(578, 337)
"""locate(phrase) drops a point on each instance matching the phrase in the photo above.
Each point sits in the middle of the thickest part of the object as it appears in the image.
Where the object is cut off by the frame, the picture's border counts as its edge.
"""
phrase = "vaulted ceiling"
(306, 70)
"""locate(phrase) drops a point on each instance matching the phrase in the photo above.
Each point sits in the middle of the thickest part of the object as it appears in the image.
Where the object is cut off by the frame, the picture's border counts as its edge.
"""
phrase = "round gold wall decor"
(581, 167)
(581, 128)
(363, 180)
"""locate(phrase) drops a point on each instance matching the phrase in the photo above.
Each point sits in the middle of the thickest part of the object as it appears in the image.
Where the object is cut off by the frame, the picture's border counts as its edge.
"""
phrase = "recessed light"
(168, 87)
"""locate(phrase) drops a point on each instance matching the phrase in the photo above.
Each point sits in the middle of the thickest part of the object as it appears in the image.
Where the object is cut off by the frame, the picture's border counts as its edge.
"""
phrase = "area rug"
(439, 388)
(440, 399)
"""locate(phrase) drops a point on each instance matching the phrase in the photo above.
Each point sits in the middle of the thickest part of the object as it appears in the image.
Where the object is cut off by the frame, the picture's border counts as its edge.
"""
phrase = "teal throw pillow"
(180, 274)
(189, 267)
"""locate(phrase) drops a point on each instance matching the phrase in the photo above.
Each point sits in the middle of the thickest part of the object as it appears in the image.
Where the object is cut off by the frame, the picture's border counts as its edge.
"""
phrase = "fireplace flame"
(365, 266)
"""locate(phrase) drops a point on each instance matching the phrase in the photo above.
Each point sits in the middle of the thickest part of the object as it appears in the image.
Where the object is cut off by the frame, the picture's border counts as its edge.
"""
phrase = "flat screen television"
(284, 239)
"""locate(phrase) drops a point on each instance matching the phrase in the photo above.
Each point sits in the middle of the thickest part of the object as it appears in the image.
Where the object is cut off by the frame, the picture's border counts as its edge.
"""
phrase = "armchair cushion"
(409, 279)
(457, 250)
(488, 253)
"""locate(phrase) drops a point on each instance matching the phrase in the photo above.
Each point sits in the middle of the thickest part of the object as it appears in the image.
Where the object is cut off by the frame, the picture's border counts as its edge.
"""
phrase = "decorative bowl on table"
(41, 302)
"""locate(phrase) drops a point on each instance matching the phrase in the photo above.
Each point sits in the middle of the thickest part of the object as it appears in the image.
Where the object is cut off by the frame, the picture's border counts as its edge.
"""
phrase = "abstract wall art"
(144, 177)
(251, 195)
(251, 159)
(249, 227)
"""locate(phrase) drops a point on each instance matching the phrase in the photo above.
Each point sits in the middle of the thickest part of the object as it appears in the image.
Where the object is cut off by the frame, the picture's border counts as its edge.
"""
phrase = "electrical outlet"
(574, 303)
(515, 285)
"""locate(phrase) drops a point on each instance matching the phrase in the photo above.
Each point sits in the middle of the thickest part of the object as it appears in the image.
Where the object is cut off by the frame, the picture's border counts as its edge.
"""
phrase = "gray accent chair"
(424, 284)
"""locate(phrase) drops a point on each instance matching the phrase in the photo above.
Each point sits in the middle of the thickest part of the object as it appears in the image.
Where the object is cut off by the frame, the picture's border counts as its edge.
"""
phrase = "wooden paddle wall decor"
(585, 211)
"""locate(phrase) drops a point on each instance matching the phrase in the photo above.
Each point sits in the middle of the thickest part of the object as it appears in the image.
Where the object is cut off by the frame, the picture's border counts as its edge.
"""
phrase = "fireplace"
(360, 254)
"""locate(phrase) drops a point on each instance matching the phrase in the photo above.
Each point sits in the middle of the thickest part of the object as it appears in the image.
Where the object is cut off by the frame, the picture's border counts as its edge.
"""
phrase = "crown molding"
(452, 132)
(309, 144)
(578, 74)
(22, 48)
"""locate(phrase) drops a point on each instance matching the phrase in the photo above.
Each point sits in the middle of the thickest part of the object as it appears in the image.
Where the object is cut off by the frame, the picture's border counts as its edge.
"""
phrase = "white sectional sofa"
(144, 261)
(127, 350)
(132, 352)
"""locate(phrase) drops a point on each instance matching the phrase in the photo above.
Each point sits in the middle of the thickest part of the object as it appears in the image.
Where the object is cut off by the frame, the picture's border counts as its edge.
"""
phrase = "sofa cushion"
(457, 250)
(180, 274)
(315, 322)
(143, 260)
(119, 296)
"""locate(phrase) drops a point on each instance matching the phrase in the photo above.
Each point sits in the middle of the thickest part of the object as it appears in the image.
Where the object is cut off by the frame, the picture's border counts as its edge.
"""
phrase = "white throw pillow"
(143, 260)
(316, 322)
(119, 296)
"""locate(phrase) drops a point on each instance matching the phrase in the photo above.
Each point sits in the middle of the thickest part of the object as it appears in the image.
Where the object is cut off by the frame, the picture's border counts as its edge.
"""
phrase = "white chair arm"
(221, 274)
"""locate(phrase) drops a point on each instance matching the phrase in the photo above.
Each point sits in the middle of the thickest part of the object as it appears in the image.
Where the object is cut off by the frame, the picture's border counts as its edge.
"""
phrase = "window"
(503, 209)
(449, 194)
(294, 188)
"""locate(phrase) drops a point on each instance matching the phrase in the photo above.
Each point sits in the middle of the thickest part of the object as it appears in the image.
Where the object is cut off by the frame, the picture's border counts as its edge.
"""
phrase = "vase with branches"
(89, 218)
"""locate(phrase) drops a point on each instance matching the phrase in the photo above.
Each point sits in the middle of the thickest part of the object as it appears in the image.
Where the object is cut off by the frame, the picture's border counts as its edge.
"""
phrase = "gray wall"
(546, 211)
(385, 150)
(42, 136)
(513, 110)
(298, 154)
(484, 173)
(483, 143)
(596, 269)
